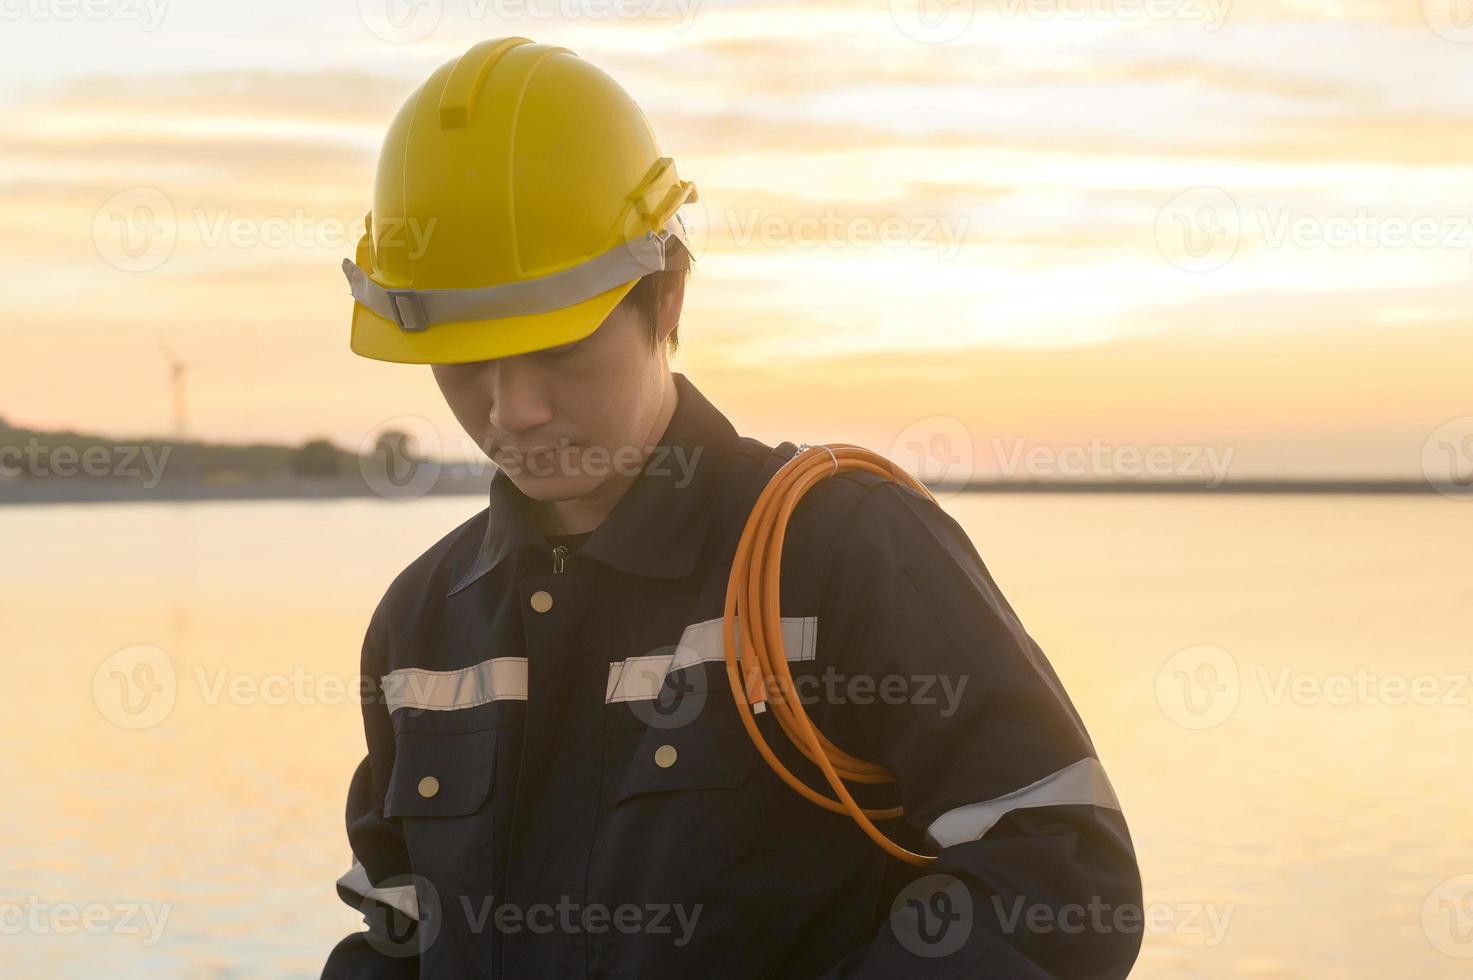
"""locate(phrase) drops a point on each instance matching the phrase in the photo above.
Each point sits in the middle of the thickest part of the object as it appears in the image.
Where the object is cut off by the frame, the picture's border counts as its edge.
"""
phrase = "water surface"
(1280, 835)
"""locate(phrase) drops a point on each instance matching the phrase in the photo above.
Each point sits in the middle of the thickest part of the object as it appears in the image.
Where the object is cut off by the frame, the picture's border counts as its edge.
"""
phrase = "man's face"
(562, 421)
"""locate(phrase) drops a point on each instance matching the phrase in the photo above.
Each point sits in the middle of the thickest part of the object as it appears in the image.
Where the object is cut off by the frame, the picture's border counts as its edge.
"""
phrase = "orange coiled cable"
(752, 605)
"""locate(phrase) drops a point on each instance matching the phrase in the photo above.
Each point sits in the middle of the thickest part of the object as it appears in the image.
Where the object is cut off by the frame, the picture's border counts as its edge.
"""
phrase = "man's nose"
(519, 401)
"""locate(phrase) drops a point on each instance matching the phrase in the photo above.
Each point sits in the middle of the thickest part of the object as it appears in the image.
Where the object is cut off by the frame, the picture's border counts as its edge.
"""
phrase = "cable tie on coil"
(803, 447)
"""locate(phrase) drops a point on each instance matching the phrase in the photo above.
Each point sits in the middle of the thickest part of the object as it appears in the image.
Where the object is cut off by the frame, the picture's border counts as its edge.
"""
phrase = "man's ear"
(672, 299)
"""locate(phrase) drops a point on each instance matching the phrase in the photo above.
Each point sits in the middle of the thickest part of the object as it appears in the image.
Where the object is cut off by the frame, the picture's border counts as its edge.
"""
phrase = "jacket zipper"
(558, 554)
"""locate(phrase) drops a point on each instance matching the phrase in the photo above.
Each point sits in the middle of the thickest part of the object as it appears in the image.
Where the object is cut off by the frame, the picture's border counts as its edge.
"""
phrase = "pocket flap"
(441, 775)
(686, 758)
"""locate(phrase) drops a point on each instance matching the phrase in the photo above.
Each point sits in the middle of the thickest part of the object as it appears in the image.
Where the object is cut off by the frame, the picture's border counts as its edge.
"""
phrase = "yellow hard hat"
(520, 195)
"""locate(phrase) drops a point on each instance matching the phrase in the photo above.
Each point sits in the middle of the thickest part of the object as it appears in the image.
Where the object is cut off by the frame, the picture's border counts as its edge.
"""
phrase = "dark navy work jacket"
(558, 785)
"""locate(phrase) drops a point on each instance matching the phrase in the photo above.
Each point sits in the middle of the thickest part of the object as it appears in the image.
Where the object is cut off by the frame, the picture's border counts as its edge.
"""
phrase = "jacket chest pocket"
(677, 802)
(681, 814)
(675, 761)
(442, 789)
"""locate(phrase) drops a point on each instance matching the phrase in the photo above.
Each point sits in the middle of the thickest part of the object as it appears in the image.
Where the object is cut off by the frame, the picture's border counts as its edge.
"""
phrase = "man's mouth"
(513, 452)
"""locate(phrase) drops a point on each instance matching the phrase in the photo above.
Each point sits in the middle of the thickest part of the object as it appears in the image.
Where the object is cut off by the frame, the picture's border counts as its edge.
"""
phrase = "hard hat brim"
(382, 339)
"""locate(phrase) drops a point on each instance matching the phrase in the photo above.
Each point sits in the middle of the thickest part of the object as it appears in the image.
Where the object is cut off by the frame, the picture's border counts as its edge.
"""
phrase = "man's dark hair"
(645, 297)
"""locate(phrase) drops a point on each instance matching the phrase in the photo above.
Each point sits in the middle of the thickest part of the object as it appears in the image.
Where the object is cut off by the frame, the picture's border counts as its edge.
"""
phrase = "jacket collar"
(657, 528)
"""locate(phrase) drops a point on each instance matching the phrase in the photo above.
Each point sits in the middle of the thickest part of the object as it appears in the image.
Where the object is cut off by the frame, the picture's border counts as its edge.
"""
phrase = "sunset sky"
(1186, 223)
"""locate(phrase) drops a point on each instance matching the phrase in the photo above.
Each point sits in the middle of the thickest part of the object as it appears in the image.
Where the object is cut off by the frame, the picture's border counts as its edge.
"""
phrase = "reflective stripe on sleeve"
(401, 897)
(1084, 782)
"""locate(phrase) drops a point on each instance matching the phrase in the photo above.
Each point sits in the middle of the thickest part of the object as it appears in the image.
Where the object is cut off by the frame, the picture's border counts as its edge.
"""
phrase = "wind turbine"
(177, 370)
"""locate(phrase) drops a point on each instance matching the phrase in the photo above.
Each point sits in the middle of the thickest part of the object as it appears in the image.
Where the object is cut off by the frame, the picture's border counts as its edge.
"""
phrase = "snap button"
(429, 786)
(541, 600)
(665, 756)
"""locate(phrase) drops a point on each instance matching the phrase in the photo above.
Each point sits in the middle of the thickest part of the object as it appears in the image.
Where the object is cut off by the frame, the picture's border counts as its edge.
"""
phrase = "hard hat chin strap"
(415, 310)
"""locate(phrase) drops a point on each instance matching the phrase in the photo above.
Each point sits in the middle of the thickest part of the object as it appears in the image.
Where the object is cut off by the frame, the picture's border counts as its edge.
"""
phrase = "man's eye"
(560, 351)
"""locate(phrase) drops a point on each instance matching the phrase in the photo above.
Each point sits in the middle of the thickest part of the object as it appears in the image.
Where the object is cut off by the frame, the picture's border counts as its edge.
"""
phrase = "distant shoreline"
(82, 468)
(82, 491)
(1377, 487)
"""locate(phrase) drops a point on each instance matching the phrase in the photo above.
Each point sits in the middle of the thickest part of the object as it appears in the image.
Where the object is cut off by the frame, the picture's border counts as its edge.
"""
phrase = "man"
(557, 782)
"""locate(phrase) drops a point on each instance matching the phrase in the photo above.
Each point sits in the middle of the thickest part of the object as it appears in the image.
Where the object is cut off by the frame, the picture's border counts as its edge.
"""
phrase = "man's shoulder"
(418, 588)
(829, 507)
(840, 492)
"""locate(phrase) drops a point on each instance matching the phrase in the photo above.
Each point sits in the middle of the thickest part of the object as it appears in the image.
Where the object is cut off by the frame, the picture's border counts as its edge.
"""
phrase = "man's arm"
(1036, 874)
(379, 883)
